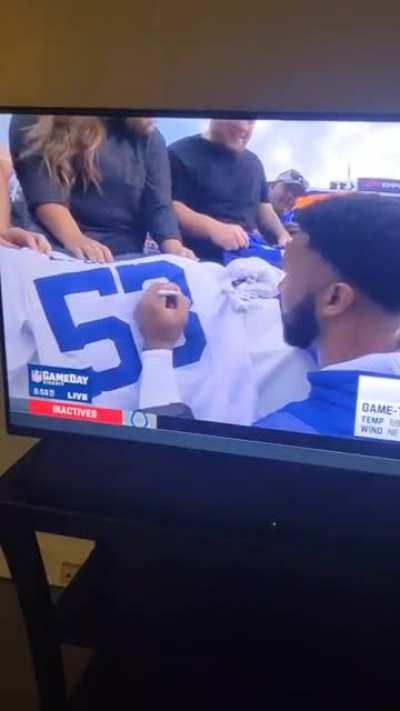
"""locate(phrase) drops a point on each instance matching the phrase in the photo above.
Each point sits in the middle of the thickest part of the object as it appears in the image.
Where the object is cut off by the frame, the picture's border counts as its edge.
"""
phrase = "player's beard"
(300, 325)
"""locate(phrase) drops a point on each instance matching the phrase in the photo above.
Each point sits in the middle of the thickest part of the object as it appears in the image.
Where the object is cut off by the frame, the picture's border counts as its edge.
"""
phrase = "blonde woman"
(98, 185)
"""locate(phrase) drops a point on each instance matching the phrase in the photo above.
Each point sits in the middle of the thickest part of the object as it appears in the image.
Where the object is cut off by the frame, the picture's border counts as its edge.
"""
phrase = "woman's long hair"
(68, 146)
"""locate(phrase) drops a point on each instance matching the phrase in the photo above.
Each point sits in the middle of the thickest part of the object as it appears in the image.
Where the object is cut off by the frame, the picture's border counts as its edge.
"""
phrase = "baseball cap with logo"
(294, 179)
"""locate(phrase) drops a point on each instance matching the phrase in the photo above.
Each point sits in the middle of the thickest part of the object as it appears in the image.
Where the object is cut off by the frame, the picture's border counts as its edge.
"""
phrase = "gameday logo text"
(60, 383)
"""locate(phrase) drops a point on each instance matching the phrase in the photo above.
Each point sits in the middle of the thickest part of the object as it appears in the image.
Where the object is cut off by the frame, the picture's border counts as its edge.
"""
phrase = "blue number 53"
(53, 291)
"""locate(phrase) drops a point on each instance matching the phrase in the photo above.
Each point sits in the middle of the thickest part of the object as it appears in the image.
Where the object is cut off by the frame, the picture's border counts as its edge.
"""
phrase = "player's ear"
(336, 299)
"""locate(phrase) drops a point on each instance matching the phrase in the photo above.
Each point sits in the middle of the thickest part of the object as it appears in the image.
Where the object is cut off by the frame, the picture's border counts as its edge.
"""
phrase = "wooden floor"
(17, 683)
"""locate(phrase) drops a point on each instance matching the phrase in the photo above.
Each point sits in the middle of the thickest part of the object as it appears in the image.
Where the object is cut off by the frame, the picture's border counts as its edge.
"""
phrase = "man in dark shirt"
(133, 197)
(220, 192)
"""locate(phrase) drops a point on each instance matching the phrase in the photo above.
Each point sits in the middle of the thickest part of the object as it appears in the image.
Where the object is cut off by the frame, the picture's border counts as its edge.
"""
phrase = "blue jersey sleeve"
(285, 421)
(257, 248)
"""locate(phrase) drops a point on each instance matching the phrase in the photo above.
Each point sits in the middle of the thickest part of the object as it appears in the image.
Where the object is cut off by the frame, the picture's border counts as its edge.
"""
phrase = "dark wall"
(260, 55)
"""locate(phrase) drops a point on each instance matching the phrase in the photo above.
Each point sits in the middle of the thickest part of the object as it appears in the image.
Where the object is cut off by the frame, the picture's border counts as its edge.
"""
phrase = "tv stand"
(185, 568)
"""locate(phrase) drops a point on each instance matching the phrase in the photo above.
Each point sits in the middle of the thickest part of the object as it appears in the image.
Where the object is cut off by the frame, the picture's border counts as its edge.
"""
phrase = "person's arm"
(195, 224)
(199, 226)
(160, 218)
(60, 223)
(15, 236)
(5, 175)
(268, 222)
(161, 320)
(47, 198)
(159, 391)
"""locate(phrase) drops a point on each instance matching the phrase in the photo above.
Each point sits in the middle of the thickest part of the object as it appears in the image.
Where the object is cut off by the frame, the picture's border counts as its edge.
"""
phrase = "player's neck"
(355, 341)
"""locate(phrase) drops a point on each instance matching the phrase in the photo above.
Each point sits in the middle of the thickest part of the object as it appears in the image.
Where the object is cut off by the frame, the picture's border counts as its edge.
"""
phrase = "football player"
(340, 295)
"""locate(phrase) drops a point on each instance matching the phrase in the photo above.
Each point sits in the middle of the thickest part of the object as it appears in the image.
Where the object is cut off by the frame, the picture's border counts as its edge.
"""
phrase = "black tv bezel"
(356, 454)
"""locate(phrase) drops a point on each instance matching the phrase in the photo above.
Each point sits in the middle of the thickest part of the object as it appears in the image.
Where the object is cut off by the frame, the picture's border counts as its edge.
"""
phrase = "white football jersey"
(231, 365)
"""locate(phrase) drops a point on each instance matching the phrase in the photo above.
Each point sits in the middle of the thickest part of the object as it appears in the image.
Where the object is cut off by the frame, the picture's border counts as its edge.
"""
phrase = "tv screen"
(230, 283)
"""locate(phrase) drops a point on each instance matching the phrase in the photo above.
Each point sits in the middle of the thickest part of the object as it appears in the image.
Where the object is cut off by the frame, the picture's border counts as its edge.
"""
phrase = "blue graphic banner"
(60, 383)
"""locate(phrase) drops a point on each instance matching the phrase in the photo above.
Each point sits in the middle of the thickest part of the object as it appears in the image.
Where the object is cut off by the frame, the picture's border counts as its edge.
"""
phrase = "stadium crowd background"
(321, 150)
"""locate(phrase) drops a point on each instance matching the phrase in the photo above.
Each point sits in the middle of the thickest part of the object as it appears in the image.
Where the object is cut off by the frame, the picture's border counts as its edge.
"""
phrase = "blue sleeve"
(282, 420)
(257, 248)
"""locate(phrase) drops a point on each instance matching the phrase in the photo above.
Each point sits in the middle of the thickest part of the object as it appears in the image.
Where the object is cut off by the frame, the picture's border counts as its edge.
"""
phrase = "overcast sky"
(321, 150)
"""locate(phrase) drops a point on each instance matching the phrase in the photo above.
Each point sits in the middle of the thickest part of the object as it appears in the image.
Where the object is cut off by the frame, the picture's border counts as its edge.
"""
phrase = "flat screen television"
(227, 283)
